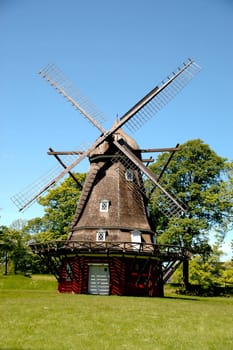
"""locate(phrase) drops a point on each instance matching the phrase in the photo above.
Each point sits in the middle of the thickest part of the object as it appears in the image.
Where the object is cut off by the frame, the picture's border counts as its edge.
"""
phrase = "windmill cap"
(128, 139)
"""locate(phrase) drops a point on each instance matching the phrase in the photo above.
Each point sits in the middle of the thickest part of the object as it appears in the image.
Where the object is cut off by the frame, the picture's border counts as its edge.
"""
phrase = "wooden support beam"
(169, 159)
(64, 166)
(148, 160)
(165, 167)
(151, 150)
(62, 153)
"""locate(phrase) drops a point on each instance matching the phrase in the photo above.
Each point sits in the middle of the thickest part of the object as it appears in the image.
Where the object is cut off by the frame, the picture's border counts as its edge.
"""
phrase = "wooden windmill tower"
(111, 248)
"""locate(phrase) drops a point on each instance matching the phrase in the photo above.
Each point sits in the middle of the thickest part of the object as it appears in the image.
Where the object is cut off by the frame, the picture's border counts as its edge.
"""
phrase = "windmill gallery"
(111, 248)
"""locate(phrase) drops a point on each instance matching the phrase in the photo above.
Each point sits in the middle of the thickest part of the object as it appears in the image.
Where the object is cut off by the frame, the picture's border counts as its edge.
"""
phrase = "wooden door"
(135, 239)
(98, 279)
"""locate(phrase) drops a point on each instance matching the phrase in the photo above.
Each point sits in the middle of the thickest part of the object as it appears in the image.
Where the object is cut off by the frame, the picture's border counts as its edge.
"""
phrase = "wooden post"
(186, 273)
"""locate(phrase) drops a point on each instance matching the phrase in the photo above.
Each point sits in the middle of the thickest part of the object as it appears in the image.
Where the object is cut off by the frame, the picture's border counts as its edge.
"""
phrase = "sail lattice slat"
(167, 91)
(29, 194)
(64, 86)
(22, 198)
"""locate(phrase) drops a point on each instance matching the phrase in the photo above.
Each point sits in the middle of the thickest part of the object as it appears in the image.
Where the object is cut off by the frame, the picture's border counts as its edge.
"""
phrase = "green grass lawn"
(34, 316)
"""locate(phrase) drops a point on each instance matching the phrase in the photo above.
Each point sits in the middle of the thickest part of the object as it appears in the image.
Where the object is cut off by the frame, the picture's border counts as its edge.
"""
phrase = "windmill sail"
(64, 86)
(153, 102)
(142, 111)
(31, 193)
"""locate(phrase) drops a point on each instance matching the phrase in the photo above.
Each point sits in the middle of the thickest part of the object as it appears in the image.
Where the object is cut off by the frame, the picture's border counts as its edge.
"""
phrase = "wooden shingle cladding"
(126, 210)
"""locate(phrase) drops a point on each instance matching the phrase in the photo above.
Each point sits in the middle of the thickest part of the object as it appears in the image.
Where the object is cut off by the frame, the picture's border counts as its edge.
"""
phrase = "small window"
(100, 235)
(68, 273)
(104, 205)
(129, 175)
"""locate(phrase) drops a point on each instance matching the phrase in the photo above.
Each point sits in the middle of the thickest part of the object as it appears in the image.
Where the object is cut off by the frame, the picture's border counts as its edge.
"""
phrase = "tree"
(199, 179)
(14, 248)
(210, 276)
(6, 247)
(228, 273)
(226, 193)
(60, 204)
(196, 177)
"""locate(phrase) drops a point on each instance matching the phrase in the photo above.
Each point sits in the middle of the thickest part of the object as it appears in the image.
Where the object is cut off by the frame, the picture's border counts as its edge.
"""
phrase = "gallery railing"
(142, 248)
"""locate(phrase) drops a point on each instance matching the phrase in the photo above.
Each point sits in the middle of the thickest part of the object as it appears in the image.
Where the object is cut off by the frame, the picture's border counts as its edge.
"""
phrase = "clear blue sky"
(115, 52)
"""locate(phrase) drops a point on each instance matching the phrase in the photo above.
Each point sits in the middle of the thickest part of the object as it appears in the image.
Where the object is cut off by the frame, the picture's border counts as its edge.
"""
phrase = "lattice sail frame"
(60, 82)
(31, 191)
(144, 110)
(165, 95)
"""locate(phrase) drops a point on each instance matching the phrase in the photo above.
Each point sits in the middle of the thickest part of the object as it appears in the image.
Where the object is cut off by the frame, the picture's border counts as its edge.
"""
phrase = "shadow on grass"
(179, 298)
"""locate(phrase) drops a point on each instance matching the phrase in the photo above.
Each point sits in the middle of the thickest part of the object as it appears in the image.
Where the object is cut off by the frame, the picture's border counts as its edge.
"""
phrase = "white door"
(98, 279)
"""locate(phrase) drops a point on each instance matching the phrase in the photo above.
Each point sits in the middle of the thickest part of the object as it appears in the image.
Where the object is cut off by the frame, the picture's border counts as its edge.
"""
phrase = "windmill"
(111, 248)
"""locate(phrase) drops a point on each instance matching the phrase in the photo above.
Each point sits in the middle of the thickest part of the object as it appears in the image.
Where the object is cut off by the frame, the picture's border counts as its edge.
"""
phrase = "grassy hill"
(34, 316)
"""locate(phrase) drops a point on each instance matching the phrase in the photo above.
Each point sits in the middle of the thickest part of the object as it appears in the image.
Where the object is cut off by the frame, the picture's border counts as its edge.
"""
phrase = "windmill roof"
(128, 139)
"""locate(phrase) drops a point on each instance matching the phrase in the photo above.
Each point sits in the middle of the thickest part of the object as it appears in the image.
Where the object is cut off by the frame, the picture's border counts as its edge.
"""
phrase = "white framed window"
(136, 239)
(104, 205)
(129, 175)
(101, 235)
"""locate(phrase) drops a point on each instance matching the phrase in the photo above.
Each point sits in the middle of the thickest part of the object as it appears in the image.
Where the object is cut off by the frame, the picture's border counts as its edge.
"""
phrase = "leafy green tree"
(6, 247)
(197, 177)
(208, 273)
(201, 180)
(228, 273)
(59, 206)
(14, 248)
(20, 254)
